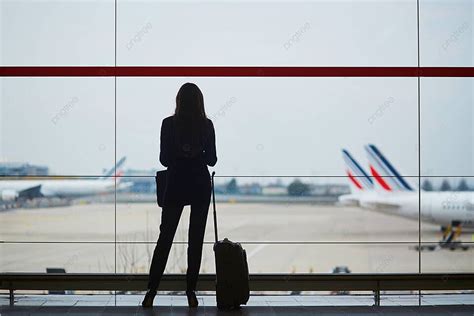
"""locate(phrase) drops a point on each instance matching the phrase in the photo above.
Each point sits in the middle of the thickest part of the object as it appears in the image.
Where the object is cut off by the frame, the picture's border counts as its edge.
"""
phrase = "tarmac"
(278, 237)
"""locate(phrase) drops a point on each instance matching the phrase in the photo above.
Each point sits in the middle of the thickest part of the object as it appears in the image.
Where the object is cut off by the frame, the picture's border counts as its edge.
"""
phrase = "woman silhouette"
(187, 147)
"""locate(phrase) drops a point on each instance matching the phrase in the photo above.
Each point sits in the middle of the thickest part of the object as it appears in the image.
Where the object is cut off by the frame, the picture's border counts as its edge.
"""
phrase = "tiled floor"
(452, 304)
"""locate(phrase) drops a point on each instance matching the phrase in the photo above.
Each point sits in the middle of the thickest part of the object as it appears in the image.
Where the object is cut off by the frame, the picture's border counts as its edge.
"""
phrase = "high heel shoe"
(148, 299)
(192, 300)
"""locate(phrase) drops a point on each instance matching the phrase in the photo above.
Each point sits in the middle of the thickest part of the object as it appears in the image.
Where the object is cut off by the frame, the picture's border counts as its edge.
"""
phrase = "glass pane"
(358, 258)
(267, 33)
(446, 261)
(138, 215)
(59, 219)
(451, 42)
(277, 126)
(74, 258)
(322, 258)
(56, 33)
(64, 124)
(447, 127)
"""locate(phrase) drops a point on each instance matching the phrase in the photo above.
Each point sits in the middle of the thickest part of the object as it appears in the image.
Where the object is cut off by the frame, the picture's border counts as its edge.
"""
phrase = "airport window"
(322, 115)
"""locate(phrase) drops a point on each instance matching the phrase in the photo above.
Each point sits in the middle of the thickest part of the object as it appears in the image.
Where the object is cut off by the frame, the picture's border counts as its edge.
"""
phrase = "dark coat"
(188, 177)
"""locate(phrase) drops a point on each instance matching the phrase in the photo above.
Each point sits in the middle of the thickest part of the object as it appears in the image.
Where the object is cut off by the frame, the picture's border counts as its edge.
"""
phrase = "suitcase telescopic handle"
(214, 205)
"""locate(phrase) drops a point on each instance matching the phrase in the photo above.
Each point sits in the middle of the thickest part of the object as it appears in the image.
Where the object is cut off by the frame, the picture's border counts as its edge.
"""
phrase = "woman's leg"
(197, 227)
(170, 216)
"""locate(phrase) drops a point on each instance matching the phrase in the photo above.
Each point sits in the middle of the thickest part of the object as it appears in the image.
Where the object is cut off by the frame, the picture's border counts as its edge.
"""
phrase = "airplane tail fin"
(115, 171)
(357, 175)
(384, 172)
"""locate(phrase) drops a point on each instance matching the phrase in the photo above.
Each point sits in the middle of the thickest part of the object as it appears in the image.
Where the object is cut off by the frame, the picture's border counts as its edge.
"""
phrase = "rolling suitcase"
(232, 272)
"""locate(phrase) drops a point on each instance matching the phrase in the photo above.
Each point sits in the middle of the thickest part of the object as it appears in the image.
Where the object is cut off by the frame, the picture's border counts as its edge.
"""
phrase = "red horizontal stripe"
(217, 71)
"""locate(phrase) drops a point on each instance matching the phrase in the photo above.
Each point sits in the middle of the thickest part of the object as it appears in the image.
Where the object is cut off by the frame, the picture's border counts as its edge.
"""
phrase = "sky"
(264, 126)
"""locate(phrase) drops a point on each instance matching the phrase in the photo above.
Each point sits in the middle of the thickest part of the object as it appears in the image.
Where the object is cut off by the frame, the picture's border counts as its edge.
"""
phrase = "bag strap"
(214, 206)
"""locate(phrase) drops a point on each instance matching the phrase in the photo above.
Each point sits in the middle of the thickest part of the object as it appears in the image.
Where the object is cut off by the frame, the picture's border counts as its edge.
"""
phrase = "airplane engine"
(9, 195)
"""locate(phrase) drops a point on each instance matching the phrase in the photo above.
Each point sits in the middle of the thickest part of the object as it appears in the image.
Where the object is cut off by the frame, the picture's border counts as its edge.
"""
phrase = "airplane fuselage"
(70, 188)
(442, 208)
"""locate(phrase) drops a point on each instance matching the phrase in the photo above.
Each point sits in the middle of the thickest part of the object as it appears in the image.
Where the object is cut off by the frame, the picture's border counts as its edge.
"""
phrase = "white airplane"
(17, 190)
(386, 191)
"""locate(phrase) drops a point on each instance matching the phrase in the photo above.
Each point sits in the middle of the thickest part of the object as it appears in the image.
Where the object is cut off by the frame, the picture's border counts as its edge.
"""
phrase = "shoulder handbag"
(161, 183)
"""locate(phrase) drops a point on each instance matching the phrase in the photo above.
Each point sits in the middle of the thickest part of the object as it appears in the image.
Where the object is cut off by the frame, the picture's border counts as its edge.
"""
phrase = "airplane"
(393, 195)
(12, 191)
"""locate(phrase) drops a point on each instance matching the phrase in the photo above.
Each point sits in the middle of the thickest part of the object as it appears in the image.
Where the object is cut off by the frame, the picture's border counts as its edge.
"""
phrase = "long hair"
(190, 118)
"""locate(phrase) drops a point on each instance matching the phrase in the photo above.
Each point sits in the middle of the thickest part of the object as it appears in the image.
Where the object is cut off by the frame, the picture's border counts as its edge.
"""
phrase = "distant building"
(338, 189)
(143, 181)
(329, 189)
(220, 188)
(274, 189)
(250, 189)
(318, 190)
(22, 169)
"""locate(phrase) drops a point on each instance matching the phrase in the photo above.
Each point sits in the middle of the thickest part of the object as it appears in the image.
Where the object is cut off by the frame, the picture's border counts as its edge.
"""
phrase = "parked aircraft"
(387, 191)
(18, 190)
